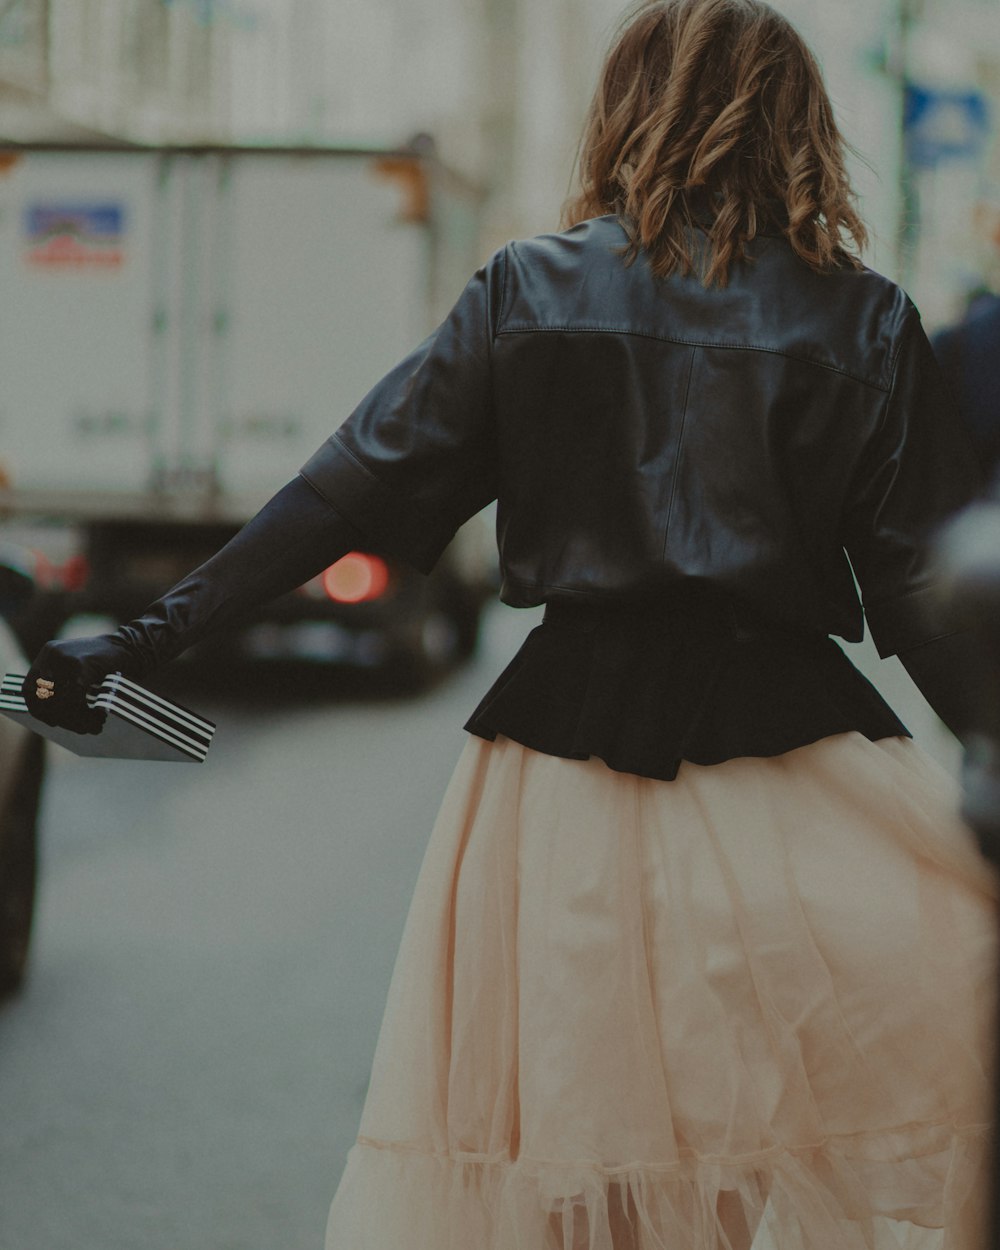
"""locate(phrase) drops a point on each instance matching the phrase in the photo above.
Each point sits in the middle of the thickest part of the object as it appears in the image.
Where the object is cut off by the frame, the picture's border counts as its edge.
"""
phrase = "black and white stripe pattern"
(164, 730)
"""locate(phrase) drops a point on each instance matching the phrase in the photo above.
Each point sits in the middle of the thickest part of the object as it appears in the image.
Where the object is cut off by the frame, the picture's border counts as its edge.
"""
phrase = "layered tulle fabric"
(630, 1014)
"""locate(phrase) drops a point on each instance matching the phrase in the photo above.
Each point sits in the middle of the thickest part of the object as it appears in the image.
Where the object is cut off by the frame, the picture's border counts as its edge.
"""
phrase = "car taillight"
(71, 575)
(356, 578)
(74, 573)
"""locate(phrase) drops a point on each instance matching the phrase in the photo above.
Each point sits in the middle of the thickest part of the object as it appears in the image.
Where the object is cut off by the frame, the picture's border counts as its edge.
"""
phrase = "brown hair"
(715, 111)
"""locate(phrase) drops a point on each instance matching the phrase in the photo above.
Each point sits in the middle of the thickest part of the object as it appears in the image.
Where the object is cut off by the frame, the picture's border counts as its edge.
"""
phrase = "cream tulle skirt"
(642, 1015)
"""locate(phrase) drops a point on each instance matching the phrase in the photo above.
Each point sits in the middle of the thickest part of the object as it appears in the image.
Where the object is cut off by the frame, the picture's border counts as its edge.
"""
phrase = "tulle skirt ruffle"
(630, 1014)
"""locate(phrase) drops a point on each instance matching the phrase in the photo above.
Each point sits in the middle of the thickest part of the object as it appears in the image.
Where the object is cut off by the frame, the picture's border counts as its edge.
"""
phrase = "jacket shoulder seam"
(524, 328)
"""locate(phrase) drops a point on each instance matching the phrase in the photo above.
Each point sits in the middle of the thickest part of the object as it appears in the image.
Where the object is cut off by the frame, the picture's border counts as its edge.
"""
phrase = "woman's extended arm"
(415, 459)
(295, 535)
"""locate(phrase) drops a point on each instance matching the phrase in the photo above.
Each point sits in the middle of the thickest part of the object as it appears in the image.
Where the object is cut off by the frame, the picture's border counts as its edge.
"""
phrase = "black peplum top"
(699, 677)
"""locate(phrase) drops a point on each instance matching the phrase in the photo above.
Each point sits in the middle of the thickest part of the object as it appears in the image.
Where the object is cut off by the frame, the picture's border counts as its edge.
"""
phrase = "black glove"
(72, 668)
(295, 535)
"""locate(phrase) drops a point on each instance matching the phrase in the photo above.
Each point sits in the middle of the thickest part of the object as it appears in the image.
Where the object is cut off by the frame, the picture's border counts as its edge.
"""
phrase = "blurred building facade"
(951, 219)
(502, 86)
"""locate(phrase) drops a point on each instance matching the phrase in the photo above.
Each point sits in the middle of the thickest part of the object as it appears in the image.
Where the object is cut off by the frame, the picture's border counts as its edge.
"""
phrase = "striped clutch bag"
(139, 725)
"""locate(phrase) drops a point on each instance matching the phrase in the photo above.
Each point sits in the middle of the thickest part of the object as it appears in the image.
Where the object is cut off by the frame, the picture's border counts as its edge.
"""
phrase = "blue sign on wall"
(942, 125)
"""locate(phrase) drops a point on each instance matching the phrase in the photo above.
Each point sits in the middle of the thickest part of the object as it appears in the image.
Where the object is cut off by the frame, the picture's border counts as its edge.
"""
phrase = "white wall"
(503, 86)
(560, 46)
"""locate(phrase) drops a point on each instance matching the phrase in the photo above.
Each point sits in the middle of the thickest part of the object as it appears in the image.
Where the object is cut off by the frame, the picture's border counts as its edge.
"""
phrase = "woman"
(698, 940)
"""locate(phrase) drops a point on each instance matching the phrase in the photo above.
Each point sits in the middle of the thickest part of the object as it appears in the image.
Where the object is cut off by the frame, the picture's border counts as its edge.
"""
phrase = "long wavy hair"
(714, 113)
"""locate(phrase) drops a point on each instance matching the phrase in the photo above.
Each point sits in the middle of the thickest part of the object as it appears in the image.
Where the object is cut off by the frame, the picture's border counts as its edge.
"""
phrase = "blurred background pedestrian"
(969, 352)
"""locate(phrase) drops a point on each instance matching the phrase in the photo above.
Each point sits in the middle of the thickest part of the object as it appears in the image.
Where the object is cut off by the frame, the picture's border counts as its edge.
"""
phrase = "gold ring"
(42, 693)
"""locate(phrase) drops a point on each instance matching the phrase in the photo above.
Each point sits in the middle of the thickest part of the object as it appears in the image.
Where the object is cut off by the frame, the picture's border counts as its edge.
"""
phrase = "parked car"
(22, 767)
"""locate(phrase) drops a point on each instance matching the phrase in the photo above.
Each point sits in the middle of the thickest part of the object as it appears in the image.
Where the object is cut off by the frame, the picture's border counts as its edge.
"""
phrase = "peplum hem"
(865, 1191)
(699, 678)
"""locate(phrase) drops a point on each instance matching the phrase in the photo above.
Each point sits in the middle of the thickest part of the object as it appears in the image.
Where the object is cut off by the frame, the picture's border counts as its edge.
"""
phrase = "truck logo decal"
(71, 235)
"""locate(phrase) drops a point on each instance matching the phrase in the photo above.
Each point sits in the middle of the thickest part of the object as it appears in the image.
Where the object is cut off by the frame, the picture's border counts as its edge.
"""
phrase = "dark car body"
(22, 766)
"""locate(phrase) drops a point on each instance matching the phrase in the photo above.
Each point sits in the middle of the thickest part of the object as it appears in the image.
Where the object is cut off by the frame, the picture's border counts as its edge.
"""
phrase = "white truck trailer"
(180, 328)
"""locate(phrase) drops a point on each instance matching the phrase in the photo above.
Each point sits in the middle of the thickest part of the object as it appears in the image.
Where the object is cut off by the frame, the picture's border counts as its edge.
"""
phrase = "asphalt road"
(186, 1068)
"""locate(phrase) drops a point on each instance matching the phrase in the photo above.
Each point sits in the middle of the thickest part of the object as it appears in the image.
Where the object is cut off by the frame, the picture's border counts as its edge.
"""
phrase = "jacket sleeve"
(917, 470)
(417, 457)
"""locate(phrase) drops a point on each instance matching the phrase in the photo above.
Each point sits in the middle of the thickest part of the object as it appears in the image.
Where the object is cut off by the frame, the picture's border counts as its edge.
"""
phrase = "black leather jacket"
(638, 431)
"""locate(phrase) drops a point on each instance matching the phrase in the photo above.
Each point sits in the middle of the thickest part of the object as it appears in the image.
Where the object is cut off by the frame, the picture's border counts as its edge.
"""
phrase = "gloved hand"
(296, 535)
(73, 667)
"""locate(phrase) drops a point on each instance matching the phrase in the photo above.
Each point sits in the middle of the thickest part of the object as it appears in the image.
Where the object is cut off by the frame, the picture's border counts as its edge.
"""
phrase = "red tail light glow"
(75, 573)
(71, 575)
(356, 578)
